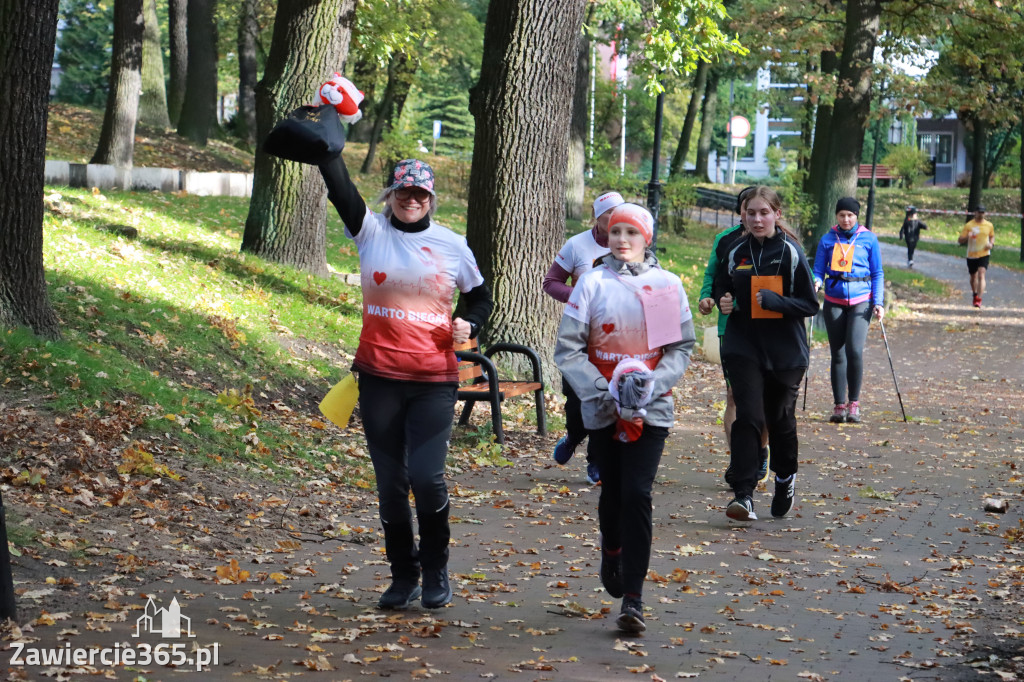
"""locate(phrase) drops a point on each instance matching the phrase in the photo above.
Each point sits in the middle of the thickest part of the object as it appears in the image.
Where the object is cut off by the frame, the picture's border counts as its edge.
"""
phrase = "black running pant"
(763, 397)
(407, 425)
(624, 510)
(575, 431)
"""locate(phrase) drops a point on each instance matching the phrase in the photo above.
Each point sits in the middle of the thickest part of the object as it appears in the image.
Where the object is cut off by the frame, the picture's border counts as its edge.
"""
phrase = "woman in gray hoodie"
(626, 312)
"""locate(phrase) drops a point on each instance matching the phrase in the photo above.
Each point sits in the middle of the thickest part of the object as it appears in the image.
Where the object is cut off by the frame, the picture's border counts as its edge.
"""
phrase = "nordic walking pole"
(885, 340)
(810, 336)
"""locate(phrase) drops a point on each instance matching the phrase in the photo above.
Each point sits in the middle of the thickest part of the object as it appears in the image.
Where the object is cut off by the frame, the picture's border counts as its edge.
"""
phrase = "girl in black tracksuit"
(764, 349)
(910, 231)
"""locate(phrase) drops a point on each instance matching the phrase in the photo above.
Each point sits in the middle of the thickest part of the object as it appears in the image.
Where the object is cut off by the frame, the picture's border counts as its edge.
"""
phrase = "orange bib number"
(842, 257)
(769, 282)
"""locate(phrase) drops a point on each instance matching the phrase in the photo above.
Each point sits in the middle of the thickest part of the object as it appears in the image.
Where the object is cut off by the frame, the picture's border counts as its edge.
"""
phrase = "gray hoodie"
(571, 356)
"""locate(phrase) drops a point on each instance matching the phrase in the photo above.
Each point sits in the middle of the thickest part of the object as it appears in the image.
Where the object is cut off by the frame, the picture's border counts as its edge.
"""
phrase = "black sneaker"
(611, 573)
(741, 509)
(784, 494)
(436, 590)
(399, 595)
(631, 617)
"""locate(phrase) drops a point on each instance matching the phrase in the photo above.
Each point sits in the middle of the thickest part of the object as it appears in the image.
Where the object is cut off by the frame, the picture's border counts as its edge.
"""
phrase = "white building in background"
(771, 125)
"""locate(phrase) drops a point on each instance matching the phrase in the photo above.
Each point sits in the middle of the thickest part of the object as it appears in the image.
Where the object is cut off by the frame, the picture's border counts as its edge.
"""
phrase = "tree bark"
(287, 212)
(248, 32)
(803, 157)
(822, 133)
(577, 166)
(700, 79)
(398, 70)
(980, 137)
(117, 137)
(365, 75)
(850, 111)
(153, 100)
(522, 107)
(708, 111)
(28, 33)
(198, 118)
(177, 33)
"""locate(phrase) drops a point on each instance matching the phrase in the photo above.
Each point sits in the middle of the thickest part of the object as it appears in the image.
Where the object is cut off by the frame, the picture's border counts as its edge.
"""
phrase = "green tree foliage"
(451, 107)
(87, 27)
(908, 162)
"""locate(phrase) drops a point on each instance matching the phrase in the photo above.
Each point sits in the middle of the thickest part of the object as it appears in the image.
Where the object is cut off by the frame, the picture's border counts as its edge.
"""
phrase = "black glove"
(312, 135)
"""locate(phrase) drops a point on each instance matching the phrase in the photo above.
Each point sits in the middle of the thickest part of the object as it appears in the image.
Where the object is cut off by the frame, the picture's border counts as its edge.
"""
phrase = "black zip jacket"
(776, 343)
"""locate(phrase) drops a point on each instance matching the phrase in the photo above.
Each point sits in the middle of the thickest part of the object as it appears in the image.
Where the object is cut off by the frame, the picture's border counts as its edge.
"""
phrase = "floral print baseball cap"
(412, 173)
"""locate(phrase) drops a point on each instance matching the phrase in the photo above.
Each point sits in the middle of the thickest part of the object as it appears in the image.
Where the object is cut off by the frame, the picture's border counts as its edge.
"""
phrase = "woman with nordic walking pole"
(848, 263)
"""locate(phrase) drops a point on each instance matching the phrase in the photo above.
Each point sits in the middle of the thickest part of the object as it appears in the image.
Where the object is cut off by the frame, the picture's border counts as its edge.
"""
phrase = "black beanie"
(848, 204)
(741, 196)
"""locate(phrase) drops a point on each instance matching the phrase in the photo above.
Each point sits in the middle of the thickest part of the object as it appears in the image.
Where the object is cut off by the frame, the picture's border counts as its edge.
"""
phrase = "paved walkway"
(889, 568)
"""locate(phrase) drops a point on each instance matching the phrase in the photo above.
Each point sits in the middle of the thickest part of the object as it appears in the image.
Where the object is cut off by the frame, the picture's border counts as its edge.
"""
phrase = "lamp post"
(654, 186)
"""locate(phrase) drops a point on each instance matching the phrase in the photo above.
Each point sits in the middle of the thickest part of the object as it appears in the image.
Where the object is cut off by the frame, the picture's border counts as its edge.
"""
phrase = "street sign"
(739, 142)
(739, 128)
(437, 130)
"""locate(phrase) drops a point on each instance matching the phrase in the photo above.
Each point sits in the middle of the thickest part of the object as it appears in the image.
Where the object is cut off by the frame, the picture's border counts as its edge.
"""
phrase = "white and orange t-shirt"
(409, 281)
(610, 304)
(578, 254)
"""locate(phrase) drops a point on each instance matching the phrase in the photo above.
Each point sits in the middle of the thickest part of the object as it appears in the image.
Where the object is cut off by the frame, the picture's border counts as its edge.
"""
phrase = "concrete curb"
(103, 176)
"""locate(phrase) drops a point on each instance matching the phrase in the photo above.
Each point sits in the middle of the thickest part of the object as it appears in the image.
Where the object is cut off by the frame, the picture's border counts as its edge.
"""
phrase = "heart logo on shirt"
(647, 288)
(379, 277)
(608, 327)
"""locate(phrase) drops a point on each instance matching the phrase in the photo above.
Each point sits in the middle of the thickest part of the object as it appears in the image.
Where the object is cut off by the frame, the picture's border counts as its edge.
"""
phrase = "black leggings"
(574, 429)
(763, 397)
(847, 328)
(407, 425)
(624, 510)
(911, 245)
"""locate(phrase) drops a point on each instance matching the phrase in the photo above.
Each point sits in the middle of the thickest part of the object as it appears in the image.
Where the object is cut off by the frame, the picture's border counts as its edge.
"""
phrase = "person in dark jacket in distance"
(767, 290)
(910, 232)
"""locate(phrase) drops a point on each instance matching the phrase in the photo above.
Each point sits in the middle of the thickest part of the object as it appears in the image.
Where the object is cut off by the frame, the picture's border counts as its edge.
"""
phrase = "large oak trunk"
(248, 32)
(199, 109)
(177, 36)
(850, 111)
(522, 105)
(28, 32)
(117, 137)
(287, 213)
(708, 111)
(153, 100)
(577, 167)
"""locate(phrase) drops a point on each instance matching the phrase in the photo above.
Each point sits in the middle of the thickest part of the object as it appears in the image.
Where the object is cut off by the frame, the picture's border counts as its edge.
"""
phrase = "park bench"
(479, 380)
(881, 173)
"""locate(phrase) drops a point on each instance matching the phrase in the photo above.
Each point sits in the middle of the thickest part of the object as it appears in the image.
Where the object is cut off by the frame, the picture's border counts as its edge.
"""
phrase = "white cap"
(606, 202)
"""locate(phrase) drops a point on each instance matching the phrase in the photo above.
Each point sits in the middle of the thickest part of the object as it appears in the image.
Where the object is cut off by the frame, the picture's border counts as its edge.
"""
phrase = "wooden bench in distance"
(479, 371)
(881, 173)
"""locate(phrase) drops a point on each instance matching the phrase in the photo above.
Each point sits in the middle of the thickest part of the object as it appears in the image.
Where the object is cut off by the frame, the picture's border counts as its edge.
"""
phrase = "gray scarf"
(633, 269)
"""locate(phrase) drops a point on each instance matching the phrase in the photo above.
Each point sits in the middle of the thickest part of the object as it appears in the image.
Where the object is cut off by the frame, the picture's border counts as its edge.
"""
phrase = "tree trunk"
(177, 33)
(803, 157)
(822, 132)
(700, 79)
(153, 100)
(117, 137)
(851, 110)
(248, 32)
(386, 108)
(522, 105)
(708, 111)
(577, 166)
(198, 117)
(365, 75)
(287, 212)
(28, 33)
(980, 136)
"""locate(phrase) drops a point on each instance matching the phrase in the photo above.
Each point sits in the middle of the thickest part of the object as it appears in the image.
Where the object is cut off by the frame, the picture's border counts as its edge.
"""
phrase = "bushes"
(907, 162)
